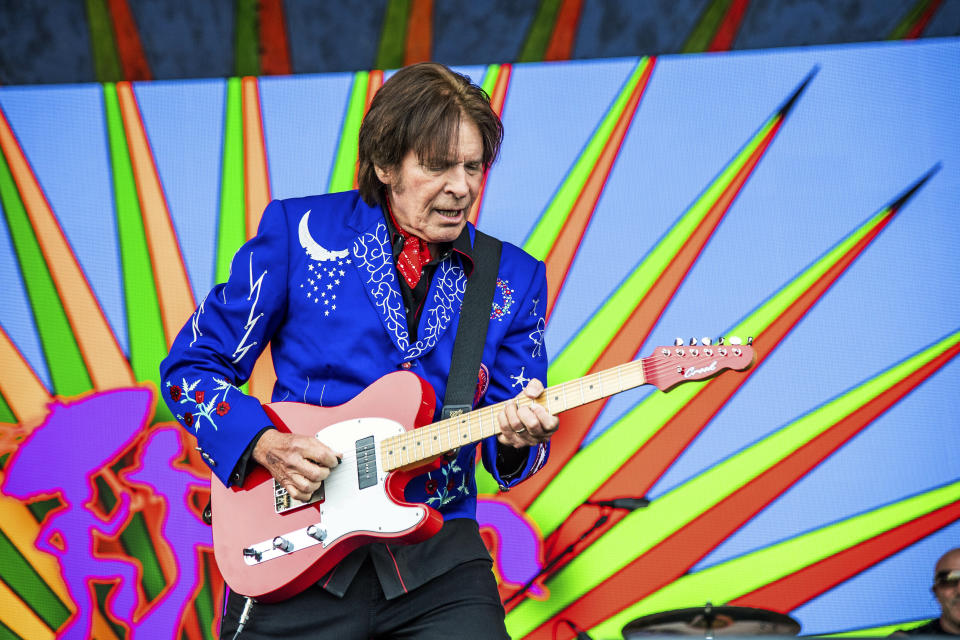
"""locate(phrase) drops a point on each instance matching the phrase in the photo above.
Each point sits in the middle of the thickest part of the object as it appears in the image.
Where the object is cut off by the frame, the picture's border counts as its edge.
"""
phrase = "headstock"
(669, 366)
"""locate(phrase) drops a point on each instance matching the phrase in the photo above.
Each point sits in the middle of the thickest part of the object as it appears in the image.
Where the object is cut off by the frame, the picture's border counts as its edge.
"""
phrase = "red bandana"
(414, 256)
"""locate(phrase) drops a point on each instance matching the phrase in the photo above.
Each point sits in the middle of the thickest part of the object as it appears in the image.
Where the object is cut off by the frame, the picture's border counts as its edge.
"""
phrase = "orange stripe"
(257, 183)
(497, 101)
(419, 32)
(105, 361)
(19, 385)
(129, 48)
(274, 49)
(564, 33)
(374, 82)
(174, 292)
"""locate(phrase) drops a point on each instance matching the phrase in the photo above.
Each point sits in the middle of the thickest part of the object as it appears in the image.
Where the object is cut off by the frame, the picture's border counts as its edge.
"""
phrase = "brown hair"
(419, 108)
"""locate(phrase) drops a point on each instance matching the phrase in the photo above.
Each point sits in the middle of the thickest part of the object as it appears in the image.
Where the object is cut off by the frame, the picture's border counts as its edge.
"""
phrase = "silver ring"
(519, 430)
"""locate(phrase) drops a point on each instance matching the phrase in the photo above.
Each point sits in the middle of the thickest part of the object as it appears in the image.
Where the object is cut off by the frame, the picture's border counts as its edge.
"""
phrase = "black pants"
(461, 603)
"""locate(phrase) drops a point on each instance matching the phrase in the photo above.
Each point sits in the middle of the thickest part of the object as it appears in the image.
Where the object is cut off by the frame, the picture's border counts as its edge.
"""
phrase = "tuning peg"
(735, 340)
(693, 342)
(720, 340)
(750, 340)
(706, 342)
(678, 342)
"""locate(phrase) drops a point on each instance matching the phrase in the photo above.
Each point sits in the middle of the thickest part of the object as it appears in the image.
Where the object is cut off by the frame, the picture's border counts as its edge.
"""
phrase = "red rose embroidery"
(188, 419)
(450, 484)
(222, 408)
(175, 392)
(199, 397)
(431, 487)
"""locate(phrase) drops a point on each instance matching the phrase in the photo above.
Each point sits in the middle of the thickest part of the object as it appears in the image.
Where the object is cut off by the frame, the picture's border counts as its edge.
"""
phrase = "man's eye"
(472, 167)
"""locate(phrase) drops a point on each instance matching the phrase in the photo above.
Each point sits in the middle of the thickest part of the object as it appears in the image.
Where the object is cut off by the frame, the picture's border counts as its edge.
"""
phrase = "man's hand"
(529, 424)
(298, 463)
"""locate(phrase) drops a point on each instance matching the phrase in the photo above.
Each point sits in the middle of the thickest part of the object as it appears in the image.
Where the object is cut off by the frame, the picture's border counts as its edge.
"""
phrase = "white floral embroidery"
(372, 250)
(447, 296)
(202, 409)
(443, 495)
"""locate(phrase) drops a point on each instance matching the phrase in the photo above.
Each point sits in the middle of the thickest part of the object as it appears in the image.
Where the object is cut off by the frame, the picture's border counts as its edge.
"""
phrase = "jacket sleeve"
(521, 357)
(214, 353)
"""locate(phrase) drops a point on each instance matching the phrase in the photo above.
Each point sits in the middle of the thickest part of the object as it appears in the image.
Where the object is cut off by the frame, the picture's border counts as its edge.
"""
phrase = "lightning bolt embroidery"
(252, 319)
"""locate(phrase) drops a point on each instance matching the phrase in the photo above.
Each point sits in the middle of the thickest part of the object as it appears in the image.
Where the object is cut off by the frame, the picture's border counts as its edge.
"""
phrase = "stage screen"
(804, 198)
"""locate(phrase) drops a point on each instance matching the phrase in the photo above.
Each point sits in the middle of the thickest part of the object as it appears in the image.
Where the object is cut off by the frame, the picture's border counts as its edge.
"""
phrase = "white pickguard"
(346, 508)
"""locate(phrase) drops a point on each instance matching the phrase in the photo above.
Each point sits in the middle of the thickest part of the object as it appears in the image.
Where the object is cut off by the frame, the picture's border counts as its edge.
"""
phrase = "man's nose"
(457, 181)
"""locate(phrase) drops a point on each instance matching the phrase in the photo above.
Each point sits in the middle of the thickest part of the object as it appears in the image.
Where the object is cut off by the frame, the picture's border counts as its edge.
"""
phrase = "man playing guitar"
(347, 288)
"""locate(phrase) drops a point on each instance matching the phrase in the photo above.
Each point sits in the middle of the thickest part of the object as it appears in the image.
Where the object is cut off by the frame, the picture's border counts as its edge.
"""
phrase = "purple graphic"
(50, 461)
(62, 456)
(520, 551)
(182, 530)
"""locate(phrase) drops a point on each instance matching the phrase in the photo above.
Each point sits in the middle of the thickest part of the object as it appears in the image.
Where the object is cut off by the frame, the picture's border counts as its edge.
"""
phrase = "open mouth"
(450, 213)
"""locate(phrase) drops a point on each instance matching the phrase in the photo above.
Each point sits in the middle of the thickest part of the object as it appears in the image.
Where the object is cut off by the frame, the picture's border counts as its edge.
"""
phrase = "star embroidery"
(310, 267)
(329, 286)
(520, 380)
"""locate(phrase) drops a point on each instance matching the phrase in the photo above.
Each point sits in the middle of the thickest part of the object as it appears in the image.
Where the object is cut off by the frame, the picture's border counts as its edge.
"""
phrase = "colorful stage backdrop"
(807, 198)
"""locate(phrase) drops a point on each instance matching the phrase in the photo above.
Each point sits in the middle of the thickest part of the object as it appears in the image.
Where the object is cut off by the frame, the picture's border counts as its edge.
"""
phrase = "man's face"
(432, 202)
(948, 592)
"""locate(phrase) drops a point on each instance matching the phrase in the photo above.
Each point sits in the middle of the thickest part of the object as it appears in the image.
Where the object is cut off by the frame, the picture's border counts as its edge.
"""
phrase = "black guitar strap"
(472, 328)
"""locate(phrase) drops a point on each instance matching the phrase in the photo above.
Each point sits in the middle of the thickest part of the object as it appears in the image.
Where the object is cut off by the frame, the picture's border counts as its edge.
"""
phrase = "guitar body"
(247, 518)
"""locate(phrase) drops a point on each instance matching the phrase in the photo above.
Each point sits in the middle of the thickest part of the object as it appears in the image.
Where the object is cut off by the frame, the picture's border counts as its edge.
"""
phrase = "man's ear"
(384, 175)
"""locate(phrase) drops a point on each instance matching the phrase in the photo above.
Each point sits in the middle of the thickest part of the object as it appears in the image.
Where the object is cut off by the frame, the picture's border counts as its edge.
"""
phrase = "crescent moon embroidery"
(314, 250)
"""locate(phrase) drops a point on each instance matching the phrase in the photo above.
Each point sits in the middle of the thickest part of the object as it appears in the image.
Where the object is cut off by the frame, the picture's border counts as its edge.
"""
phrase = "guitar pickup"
(366, 463)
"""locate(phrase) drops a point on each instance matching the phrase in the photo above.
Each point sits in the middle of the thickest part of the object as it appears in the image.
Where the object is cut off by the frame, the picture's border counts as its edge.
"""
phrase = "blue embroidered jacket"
(318, 282)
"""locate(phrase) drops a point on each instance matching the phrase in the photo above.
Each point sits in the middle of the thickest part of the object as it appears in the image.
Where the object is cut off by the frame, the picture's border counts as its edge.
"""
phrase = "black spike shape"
(900, 200)
(788, 105)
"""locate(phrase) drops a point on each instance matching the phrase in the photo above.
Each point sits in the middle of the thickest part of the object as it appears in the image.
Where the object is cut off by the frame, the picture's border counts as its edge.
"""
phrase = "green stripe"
(548, 227)
(231, 230)
(41, 508)
(136, 542)
(106, 59)
(7, 633)
(101, 592)
(642, 530)
(490, 77)
(913, 16)
(4, 459)
(538, 37)
(247, 42)
(735, 578)
(706, 27)
(68, 372)
(23, 580)
(148, 344)
(6, 413)
(394, 35)
(203, 605)
(584, 349)
(345, 165)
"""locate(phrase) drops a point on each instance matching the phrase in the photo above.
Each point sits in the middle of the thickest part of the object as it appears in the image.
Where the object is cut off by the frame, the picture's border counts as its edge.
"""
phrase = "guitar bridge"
(284, 502)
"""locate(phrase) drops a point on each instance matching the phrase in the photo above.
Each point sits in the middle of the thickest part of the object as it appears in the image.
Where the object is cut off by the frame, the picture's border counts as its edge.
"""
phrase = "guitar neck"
(420, 445)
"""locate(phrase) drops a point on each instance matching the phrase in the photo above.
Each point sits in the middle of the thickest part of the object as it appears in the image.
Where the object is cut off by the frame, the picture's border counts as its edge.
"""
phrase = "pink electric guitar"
(270, 547)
